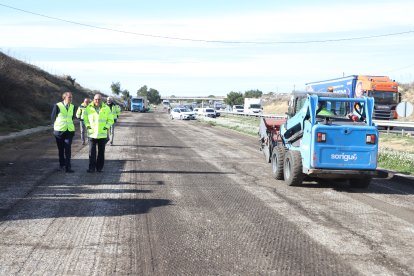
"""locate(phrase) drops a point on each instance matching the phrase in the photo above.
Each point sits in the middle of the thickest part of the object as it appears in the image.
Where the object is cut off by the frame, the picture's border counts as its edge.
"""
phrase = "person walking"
(98, 119)
(79, 115)
(116, 110)
(64, 130)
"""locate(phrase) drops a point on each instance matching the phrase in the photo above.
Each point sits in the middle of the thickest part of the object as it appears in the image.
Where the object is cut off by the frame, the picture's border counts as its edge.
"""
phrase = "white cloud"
(283, 25)
(169, 62)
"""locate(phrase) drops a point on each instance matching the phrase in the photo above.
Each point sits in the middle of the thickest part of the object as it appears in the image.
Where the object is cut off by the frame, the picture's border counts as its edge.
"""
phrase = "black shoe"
(99, 171)
(69, 171)
(90, 171)
(61, 168)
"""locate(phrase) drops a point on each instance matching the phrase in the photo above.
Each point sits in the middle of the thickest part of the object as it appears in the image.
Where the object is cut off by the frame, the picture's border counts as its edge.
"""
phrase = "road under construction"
(185, 198)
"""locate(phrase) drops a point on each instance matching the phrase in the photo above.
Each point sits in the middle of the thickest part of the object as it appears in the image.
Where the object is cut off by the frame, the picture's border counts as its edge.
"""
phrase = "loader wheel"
(360, 183)
(277, 158)
(292, 168)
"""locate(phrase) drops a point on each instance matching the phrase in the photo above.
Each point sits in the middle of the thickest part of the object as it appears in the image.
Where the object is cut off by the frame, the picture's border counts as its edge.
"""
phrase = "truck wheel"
(292, 168)
(360, 183)
(278, 156)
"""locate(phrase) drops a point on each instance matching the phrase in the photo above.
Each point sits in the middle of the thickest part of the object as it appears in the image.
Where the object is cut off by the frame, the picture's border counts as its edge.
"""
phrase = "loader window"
(340, 109)
(299, 104)
(333, 108)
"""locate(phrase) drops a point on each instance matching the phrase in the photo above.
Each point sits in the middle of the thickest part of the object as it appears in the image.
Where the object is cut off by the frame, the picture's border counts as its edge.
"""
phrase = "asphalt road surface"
(184, 198)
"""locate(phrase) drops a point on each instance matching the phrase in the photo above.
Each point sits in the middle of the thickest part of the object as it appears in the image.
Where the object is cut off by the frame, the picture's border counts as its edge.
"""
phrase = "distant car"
(238, 108)
(182, 114)
(196, 110)
(207, 112)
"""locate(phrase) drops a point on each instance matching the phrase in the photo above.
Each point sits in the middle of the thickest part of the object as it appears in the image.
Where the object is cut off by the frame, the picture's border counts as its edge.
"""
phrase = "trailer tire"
(360, 183)
(292, 168)
(267, 149)
(277, 159)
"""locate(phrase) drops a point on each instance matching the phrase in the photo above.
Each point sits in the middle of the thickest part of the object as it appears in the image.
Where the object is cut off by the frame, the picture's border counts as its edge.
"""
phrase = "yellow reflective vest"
(64, 119)
(79, 112)
(98, 120)
(116, 110)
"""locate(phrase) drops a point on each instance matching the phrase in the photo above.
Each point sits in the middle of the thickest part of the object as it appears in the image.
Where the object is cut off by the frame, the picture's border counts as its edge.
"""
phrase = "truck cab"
(138, 104)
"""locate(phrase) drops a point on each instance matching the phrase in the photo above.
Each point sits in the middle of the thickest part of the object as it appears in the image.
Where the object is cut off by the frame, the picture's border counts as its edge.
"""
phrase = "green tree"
(211, 96)
(125, 95)
(143, 91)
(153, 96)
(253, 94)
(116, 87)
(234, 98)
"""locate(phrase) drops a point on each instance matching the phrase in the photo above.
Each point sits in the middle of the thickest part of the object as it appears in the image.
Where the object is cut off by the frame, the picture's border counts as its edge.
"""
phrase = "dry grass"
(407, 93)
(275, 104)
(396, 143)
(27, 94)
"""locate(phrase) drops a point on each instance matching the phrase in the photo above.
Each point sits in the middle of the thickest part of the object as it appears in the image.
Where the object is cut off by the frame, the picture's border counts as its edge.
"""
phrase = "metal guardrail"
(382, 123)
(279, 116)
(386, 123)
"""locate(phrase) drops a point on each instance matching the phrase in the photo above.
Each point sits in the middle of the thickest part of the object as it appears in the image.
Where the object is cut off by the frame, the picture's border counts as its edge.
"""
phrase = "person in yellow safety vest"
(63, 129)
(79, 115)
(98, 119)
(322, 110)
(116, 111)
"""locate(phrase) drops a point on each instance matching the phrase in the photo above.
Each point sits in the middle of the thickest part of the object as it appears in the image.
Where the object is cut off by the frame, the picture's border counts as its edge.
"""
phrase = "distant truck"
(166, 103)
(218, 105)
(253, 106)
(139, 104)
(381, 88)
(238, 108)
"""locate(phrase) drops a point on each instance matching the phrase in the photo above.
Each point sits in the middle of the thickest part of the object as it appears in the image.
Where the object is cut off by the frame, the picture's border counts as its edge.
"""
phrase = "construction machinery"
(322, 139)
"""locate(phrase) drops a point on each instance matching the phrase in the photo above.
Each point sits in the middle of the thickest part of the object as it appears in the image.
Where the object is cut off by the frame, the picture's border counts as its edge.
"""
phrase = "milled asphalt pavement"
(184, 198)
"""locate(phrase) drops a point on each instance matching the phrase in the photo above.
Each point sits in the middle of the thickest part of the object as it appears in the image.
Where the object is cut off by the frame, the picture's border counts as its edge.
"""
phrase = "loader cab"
(298, 100)
(295, 103)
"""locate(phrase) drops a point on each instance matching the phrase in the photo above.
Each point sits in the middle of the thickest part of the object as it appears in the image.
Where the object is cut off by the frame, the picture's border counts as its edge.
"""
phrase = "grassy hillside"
(27, 94)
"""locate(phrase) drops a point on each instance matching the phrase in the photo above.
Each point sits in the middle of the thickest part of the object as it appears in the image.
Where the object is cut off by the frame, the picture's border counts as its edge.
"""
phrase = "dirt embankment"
(407, 93)
(275, 104)
(27, 94)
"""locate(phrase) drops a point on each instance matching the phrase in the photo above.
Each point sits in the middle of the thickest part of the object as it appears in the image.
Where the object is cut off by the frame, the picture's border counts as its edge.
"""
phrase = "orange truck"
(383, 89)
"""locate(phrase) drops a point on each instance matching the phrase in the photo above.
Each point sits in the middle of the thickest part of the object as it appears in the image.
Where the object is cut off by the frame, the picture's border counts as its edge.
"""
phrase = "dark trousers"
(96, 162)
(64, 144)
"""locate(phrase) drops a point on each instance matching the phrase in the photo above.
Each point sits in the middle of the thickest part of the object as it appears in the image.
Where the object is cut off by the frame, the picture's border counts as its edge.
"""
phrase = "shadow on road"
(43, 192)
(138, 124)
(43, 208)
(150, 146)
(377, 186)
(175, 172)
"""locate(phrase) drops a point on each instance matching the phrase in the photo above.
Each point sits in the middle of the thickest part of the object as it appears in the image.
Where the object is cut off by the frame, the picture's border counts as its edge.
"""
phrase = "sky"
(202, 48)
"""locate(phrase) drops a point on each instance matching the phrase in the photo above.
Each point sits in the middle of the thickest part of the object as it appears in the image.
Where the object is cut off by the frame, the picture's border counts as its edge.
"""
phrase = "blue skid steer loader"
(325, 136)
